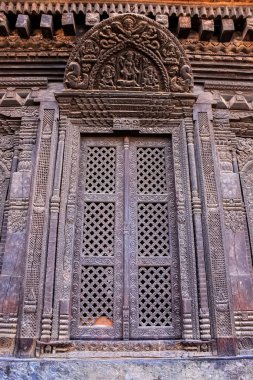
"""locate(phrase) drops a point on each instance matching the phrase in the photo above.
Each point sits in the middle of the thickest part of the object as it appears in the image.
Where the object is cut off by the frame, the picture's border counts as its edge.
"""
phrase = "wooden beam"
(248, 30)
(23, 26)
(206, 29)
(47, 26)
(163, 20)
(184, 26)
(92, 18)
(68, 24)
(227, 29)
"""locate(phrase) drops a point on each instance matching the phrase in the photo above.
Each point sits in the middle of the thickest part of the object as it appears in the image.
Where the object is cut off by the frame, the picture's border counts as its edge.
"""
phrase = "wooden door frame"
(156, 114)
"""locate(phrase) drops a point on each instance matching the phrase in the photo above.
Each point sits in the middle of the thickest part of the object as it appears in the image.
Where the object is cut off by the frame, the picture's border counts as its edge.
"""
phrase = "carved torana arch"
(129, 52)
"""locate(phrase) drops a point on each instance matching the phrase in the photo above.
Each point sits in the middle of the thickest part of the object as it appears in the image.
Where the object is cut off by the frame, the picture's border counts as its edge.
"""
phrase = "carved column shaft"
(52, 240)
(61, 312)
(186, 239)
(204, 317)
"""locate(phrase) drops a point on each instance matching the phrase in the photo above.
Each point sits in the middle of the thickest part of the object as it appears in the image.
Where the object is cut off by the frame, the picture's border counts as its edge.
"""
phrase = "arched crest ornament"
(129, 53)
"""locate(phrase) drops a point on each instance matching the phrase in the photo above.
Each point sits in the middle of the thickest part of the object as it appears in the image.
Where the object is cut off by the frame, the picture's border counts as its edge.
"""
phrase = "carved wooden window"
(125, 262)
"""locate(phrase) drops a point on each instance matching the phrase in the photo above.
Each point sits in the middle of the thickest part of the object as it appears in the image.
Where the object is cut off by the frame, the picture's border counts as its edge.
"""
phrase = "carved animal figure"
(74, 78)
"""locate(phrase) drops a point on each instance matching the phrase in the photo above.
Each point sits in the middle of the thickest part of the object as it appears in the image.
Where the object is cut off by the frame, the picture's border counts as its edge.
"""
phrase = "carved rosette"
(129, 52)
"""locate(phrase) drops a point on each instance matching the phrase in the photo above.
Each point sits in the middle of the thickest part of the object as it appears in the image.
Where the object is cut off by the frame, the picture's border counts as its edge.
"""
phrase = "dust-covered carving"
(129, 52)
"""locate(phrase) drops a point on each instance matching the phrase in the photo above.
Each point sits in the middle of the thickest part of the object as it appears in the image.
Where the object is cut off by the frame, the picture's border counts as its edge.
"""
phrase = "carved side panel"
(15, 218)
(241, 222)
(38, 228)
(244, 148)
(219, 295)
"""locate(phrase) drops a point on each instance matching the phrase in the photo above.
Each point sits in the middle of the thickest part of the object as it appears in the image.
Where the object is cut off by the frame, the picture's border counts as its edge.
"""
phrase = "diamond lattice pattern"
(101, 163)
(155, 296)
(96, 294)
(153, 229)
(151, 172)
(98, 229)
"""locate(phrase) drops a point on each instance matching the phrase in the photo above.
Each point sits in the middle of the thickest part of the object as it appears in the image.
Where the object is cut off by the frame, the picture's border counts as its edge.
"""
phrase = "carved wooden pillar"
(218, 284)
(190, 325)
(14, 250)
(52, 239)
(64, 265)
(204, 317)
(39, 222)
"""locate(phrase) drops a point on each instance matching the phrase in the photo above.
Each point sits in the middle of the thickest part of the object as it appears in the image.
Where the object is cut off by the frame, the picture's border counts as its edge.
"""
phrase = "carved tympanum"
(129, 52)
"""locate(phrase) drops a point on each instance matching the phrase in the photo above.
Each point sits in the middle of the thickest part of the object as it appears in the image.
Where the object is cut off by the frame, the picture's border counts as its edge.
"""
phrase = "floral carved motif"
(234, 220)
(129, 52)
(17, 220)
(244, 150)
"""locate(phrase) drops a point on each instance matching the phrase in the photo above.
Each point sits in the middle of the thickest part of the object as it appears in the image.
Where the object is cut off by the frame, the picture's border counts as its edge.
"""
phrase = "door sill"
(126, 349)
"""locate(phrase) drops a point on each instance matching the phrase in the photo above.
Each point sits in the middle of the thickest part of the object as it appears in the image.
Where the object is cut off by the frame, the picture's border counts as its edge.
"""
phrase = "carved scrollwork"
(17, 221)
(244, 151)
(129, 52)
(234, 220)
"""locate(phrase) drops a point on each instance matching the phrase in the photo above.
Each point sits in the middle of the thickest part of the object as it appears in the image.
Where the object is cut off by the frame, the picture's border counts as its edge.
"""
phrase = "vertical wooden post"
(126, 241)
(204, 317)
(52, 240)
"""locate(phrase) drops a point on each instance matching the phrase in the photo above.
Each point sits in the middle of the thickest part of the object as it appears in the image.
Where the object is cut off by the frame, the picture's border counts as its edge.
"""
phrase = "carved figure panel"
(129, 52)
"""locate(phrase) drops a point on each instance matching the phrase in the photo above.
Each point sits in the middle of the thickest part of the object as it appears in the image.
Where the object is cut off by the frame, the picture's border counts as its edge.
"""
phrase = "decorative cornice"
(207, 20)
(193, 8)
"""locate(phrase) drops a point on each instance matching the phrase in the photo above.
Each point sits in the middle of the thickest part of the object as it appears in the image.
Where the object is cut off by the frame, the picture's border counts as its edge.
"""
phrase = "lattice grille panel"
(218, 261)
(48, 120)
(223, 323)
(155, 300)
(209, 173)
(153, 229)
(98, 229)
(151, 171)
(96, 300)
(101, 164)
(203, 123)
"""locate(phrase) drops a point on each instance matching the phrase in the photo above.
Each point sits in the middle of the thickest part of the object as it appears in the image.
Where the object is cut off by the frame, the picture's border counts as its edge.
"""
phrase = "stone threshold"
(232, 368)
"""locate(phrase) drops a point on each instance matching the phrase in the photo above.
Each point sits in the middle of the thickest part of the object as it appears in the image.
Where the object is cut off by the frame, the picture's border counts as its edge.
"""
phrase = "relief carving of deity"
(108, 76)
(129, 52)
(129, 72)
